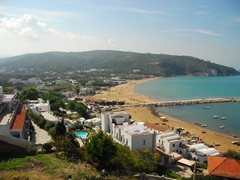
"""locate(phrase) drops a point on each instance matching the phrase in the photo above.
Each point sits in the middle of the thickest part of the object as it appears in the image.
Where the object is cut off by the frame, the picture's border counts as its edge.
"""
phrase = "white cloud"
(27, 27)
(202, 31)
(144, 11)
(27, 34)
(30, 28)
(112, 42)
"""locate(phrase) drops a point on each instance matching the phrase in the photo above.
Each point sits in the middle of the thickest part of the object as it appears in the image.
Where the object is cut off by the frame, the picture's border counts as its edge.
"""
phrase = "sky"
(206, 29)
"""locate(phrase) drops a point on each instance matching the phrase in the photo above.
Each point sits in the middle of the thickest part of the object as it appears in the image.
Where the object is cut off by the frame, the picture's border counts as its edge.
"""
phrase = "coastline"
(126, 93)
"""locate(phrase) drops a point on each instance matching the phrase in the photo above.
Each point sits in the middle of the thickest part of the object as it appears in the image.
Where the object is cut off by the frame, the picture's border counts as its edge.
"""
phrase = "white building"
(86, 91)
(14, 127)
(38, 106)
(93, 121)
(35, 81)
(69, 94)
(169, 144)
(134, 135)
(200, 152)
(14, 81)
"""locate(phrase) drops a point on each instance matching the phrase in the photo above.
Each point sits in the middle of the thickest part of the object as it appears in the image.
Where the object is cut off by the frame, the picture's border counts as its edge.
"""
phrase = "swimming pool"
(82, 135)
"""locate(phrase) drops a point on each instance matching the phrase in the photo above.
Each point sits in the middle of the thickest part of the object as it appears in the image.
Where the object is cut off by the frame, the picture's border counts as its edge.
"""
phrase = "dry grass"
(44, 167)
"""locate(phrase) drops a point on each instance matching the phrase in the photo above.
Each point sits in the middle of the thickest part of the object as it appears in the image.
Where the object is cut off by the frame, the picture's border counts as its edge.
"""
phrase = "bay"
(194, 87)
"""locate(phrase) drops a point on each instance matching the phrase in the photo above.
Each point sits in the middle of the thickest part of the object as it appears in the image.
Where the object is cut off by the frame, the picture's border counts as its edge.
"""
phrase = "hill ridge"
(118, 62)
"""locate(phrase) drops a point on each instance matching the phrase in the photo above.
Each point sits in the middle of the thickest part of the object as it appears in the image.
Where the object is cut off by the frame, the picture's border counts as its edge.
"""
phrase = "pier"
(188, 102)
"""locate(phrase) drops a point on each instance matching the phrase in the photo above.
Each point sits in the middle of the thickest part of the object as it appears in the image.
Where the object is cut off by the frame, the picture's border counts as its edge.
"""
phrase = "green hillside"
(117, 62)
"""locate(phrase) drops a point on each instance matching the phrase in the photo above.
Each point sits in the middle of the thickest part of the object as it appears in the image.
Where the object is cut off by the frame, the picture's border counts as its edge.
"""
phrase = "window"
(144, 142)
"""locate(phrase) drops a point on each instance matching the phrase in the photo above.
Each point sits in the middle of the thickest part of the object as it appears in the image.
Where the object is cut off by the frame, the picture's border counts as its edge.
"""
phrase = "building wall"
(142, 141)
(172, 146)
(4, 129)
(16, 141)
(105, 121)
(123, 137)
(196, 157)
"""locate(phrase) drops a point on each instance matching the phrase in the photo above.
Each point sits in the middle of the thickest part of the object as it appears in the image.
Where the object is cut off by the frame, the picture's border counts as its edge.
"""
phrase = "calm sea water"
(188, 87)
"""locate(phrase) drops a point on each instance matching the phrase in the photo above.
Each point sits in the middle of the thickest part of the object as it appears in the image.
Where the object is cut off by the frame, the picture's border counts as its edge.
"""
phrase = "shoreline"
(126, 93)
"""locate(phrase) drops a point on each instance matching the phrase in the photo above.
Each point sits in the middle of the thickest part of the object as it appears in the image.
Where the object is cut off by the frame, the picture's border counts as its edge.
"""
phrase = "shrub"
(47, 146)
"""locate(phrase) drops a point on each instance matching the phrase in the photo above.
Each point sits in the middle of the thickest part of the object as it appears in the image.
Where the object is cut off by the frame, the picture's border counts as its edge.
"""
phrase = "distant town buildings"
(69, 94)
(30, 81)
(136, 70)
(86, 91)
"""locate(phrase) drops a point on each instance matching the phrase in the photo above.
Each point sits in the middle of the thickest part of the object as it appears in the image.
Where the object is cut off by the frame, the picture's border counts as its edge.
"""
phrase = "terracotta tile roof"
(19, 118)
(224, 167)
(156, 127)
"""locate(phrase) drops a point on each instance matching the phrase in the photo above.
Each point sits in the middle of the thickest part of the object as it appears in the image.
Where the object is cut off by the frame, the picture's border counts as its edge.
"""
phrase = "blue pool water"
(82, 135)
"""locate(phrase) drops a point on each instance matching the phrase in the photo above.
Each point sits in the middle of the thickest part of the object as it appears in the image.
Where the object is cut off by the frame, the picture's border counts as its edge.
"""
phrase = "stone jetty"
(188, 102)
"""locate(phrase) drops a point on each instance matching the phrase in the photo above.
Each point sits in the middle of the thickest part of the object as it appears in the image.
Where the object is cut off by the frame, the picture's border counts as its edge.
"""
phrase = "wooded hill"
(118, 62)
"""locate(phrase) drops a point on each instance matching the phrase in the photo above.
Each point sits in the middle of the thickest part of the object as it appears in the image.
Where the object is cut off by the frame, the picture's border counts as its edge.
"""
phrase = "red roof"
(18, 122)
(156, 127)
(224, 167)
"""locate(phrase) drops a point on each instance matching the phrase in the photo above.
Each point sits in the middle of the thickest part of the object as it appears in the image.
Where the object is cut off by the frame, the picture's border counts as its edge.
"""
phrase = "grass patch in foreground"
(172, 175)
(44, 159)
(43, 167)
(162, 170)
(14, 163)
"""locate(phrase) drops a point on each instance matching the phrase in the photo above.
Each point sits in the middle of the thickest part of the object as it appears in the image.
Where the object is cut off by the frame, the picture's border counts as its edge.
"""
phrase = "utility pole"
(194, 172)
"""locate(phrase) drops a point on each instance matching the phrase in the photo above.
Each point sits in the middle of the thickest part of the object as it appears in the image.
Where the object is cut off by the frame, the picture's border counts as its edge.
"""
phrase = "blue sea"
(198, 87)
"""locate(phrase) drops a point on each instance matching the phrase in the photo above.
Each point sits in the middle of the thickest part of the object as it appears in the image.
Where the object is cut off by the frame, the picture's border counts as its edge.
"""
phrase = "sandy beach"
(125, 92)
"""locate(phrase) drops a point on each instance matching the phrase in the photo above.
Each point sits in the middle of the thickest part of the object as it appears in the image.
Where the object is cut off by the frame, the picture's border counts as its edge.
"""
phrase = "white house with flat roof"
(14, 127)
(134, 135)
(39, 105)
(200, 152)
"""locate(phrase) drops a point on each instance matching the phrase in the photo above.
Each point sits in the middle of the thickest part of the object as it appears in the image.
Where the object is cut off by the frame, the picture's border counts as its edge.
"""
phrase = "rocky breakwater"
(189, 102)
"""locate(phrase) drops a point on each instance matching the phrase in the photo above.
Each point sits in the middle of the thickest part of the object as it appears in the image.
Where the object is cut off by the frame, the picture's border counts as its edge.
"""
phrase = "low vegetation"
(43, 167)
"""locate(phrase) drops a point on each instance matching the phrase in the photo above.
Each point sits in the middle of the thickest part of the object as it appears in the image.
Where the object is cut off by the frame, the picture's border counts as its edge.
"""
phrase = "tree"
(77, 126)
(52, 131)
(30, 93)
(60, 128)
(71, 105)
(47, 146)
(232, 154)
(41, 122)
(124, 158)
(67, 147)
(147, 161)
(48, 125)
(100, 149)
